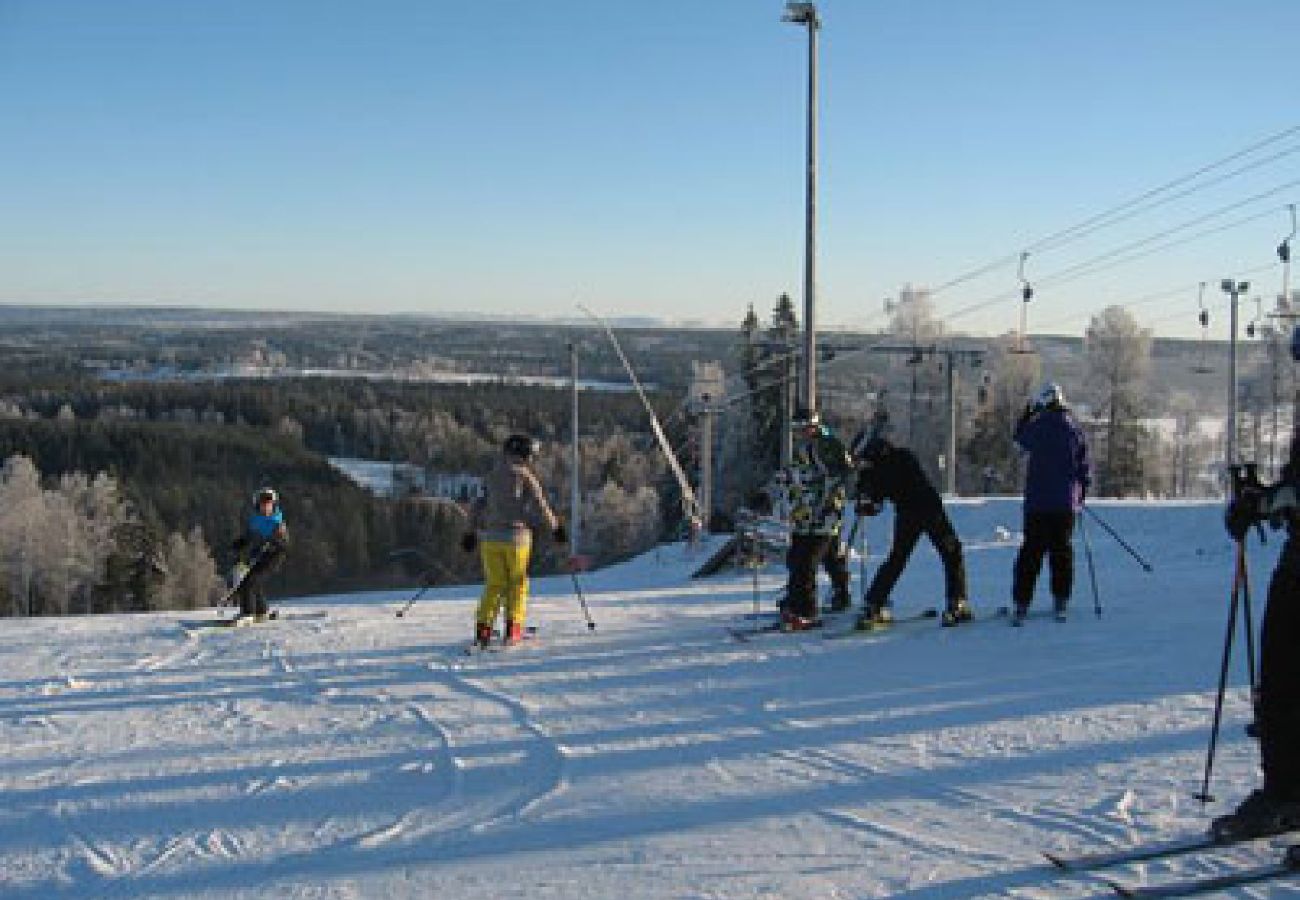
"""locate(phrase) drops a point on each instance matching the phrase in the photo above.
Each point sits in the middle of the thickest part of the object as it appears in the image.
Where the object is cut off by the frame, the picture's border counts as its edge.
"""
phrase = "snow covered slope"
(355, 754)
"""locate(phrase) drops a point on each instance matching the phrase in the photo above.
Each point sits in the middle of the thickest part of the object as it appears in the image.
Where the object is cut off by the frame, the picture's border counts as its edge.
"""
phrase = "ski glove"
(468, 541)
(560, 534)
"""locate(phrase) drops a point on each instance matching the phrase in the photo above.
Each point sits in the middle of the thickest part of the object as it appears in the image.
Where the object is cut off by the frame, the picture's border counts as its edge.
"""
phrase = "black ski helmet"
(521, 446)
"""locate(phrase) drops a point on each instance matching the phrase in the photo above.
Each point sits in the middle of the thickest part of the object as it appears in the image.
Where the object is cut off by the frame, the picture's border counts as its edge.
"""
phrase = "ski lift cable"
(1191, 223)
(1051, 245)
(1057, 238)
(1180, 291)
(1077, 272)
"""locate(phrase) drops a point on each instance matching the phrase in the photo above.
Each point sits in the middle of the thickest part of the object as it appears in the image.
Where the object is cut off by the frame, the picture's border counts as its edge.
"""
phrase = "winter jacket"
(263, 533)
(512, 505)
(1059, 469)
(898, 477)
(817, 479)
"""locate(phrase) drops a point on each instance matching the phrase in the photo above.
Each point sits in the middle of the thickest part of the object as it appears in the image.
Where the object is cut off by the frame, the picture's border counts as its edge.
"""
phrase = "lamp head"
(801, 13)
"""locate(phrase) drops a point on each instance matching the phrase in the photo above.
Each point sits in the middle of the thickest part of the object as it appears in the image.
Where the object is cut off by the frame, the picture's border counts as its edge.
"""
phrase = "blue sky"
(642, 158)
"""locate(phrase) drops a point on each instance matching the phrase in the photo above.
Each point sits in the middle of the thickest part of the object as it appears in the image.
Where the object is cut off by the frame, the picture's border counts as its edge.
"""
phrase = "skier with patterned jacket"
(818, 476)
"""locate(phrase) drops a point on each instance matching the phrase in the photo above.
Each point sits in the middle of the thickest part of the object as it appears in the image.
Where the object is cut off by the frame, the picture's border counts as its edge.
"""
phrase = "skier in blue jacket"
(261, 550)
(1055, 487)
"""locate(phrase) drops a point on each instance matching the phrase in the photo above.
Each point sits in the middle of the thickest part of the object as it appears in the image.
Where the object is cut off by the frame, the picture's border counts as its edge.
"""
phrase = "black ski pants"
(805, 553)
(1047, 533)
(909, 525)
(252, 590)
(1278, 711)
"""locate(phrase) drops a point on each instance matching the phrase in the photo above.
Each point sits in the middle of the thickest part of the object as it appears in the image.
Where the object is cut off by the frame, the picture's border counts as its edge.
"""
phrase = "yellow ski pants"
(505, 580)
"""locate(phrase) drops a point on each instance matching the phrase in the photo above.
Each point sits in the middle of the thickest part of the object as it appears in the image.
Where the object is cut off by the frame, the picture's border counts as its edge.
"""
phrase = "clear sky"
(644, 158)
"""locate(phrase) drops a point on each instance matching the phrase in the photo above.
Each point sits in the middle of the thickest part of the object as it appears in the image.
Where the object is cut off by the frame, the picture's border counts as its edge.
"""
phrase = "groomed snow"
(362, 755)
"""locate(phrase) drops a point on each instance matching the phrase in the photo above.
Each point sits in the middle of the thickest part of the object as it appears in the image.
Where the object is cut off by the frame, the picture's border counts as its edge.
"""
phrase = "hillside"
(344, 752)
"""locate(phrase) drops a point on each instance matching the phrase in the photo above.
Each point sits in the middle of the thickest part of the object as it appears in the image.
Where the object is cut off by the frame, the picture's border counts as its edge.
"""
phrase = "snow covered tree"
(22, 514)
(1118, 359)
(190, 578)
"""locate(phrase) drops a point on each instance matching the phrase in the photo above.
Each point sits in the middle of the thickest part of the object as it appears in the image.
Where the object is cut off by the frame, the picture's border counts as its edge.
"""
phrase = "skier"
(1055, 487)
(816, 484)
(1275, 807)
(261, 550)
(886, 472)
(501, 527)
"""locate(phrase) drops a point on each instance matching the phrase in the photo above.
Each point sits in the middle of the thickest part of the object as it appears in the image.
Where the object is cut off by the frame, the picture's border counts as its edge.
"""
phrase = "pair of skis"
(1288, 866)
(827, 627)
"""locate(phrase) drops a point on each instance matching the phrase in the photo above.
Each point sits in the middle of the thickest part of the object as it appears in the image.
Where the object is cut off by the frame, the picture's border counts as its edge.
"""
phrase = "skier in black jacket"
(886, 472)
(1274, 808)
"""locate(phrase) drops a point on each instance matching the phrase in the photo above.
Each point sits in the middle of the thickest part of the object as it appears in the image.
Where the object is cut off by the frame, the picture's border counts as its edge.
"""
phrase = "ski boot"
(956, 613)
(1061, 608)
(1019, 613)
(1261, 814)
(514, 633)
(792, 622)
(875, 618)
(482, 634)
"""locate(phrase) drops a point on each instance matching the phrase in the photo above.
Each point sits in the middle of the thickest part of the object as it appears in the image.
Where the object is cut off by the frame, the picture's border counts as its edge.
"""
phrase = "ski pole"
(427, 575)
(1238, 579)
(1119, 540)
(428, 583)
(591, 625)
(1092, 571)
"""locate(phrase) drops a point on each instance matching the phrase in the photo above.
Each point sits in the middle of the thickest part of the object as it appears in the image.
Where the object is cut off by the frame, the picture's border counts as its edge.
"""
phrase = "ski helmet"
(266, 493)
(1050, 396)
(521, 446)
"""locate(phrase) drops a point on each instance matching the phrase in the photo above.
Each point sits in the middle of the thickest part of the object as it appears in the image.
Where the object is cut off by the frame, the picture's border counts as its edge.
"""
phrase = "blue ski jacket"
(1060, 471)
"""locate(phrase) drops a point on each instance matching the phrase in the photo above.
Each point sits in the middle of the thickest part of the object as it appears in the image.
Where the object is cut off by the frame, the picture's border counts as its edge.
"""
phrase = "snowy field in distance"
(354, 754)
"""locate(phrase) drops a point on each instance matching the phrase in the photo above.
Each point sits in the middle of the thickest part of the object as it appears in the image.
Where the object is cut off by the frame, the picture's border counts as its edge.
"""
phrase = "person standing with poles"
(501, 528)
(1056, 485)
(261, 550)
(886, 472)
(1274, 807)
(816, 489)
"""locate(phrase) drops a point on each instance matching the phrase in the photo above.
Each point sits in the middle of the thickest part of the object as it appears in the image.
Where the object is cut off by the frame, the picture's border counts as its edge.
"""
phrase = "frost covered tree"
(1118, 359)
(22, 514)
(190, 578)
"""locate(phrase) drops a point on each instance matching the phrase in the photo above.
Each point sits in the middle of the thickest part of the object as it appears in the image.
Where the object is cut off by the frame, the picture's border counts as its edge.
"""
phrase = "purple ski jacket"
(1060, 472)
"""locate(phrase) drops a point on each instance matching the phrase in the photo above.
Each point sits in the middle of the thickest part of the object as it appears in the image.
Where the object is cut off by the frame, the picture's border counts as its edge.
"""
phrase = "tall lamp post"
(806, 14)
(1234, 289)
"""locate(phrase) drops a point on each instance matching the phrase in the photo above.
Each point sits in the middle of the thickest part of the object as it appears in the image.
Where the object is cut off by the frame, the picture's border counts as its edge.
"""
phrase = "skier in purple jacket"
(1055, 487)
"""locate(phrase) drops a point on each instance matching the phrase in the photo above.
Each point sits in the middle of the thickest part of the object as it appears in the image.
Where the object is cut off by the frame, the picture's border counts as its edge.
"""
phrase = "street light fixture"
(806, 14)
(1234, 289)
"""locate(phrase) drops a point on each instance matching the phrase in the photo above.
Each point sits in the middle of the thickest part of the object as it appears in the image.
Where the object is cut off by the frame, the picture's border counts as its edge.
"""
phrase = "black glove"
(468, 541)
(1244, 511)
(560, 534)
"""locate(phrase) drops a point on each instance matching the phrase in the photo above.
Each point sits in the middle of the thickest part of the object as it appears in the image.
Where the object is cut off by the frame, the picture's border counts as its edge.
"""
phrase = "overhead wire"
(1099, 220)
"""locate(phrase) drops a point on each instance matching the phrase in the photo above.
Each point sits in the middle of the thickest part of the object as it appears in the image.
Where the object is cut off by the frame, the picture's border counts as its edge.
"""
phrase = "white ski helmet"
(1050, 396)
(263, 493)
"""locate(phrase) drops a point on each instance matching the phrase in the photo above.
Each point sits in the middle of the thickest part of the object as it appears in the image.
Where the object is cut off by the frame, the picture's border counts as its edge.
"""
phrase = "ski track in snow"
(358, 755)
